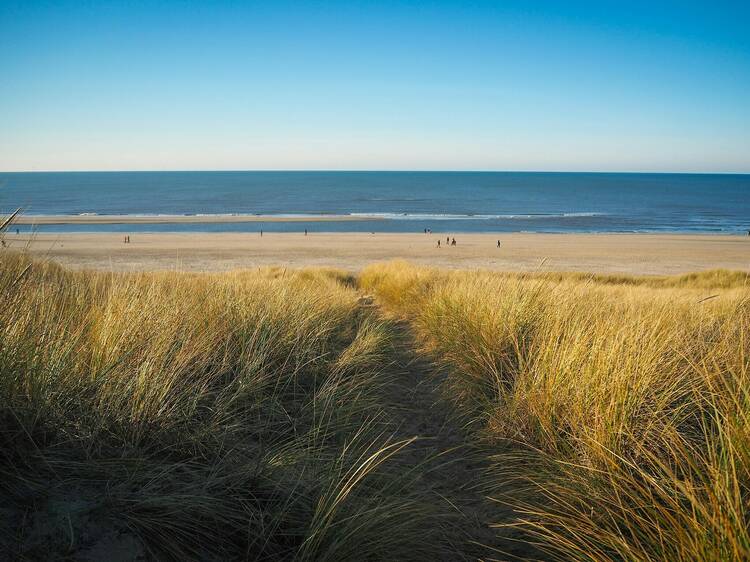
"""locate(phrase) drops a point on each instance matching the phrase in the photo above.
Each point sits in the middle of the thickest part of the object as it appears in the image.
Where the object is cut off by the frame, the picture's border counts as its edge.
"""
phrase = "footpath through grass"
(407, 414)
(249, 415)
(620, 408)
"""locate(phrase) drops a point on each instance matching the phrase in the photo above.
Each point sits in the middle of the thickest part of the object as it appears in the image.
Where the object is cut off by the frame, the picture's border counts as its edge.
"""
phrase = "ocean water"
(408, 201)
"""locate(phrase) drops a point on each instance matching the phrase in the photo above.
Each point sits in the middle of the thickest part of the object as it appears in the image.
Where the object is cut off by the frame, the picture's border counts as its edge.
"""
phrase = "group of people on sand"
(452, 242)
(126, 239)
(448, 241)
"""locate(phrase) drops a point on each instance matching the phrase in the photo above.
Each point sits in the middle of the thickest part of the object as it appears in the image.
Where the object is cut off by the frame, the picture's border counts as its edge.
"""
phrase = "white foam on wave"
(373, 215)
(450, 216)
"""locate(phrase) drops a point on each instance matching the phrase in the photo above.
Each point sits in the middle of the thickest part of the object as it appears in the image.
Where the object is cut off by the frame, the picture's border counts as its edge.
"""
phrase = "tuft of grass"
(226, 416)
(624, 401)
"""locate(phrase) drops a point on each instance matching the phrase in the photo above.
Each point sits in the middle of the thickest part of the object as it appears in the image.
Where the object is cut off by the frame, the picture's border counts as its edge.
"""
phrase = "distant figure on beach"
(447, 239)
(498, 243)
(438, 243)
(305, 232)
(453, 243)
(261, 233)
(19, 232)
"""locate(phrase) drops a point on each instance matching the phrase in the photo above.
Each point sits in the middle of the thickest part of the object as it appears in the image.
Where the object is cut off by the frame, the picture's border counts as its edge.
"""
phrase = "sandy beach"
(601, 253)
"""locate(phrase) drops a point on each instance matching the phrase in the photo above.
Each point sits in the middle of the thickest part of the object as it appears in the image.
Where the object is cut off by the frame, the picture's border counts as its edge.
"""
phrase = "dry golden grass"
(242, 415)
(206, 416)
(626, 401)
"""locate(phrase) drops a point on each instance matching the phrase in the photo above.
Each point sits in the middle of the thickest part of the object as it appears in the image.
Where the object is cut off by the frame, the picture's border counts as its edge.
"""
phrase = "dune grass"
(620, 407)
(220, 416)
(244, 415)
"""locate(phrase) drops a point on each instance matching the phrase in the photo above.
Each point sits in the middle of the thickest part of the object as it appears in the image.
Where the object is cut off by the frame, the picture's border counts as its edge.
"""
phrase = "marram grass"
(621, 408)
(208, 416)
(244, 415)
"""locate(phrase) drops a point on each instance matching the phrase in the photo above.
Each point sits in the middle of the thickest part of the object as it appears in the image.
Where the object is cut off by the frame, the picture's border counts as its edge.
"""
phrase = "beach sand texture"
(601, 253)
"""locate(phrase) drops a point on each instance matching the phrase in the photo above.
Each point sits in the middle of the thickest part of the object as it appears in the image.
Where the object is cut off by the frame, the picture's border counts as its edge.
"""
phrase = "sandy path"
(613, 253)
(454, 463)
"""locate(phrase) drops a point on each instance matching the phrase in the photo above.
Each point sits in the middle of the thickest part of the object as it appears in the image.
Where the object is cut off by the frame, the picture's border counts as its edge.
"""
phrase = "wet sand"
(602, 253)
(183, 219)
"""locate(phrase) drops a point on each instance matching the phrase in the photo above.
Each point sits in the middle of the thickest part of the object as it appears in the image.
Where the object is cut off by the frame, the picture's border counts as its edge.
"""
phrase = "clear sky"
(557, 85)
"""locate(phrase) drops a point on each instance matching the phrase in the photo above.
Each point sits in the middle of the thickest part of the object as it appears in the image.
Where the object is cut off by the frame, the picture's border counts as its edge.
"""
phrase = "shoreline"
(176, 219)
(646, 254)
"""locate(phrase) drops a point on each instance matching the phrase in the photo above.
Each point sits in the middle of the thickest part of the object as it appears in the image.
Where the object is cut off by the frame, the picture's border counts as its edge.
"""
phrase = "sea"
(491, 202)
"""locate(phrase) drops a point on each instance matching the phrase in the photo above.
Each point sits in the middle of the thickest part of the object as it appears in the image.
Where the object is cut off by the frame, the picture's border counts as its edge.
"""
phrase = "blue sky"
(630, 86)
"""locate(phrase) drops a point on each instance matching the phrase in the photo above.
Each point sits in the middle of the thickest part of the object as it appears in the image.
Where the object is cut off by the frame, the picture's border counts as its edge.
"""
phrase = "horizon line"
(356, 170)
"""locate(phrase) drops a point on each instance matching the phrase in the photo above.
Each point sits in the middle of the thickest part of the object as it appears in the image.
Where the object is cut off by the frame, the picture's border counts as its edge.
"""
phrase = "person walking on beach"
(453, 243)
(261, 233)
(305, 232)
(498, 243)
(447, 239)
(438, 243)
